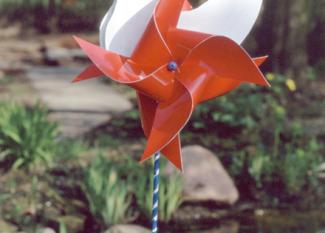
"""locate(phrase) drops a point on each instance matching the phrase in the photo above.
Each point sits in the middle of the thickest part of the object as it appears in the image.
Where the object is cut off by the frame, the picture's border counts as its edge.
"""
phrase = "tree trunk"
(283, 34)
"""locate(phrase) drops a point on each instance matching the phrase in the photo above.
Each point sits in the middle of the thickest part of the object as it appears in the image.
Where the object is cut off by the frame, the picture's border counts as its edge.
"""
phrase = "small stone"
(259, 212)
(321, 172)
(46, 230)
(127, 229)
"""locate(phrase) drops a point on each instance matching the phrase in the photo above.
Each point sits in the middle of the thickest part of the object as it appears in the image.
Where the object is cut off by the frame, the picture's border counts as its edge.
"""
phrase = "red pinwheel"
(177, 62)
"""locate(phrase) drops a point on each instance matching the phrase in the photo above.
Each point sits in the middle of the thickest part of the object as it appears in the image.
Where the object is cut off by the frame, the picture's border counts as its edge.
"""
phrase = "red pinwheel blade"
(147, 108)
(228, 60)
(167, 14)
(165, 17)
(170, 118)
(183, 41)
(115, 66)
(125, 71)
(220, 86)
(173, 152)
(187, 6)
(90, 72)
(260, 60)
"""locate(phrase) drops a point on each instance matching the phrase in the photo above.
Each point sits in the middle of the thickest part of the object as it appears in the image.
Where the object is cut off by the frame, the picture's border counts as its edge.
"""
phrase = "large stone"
(127, 229)
(204, 177)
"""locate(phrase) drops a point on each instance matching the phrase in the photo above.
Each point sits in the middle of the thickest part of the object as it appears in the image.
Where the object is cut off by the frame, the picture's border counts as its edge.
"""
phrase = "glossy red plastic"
(208, 66)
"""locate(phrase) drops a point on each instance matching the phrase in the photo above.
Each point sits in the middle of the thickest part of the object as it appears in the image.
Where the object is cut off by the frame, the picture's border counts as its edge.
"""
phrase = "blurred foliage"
(61, 15)
(27, 138)
(69, 149)
(111, 184)
(265, 151)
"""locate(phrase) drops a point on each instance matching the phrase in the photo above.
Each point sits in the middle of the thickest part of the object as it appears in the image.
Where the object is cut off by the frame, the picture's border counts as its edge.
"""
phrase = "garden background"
(254, 159)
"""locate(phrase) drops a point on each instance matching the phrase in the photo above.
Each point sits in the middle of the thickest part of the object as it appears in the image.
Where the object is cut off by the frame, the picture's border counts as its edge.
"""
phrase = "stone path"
(77, 107)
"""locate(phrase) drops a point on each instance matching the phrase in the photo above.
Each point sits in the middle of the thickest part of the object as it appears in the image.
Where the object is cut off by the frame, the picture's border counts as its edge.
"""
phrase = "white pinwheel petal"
(230, 18)
(124, 28)
(103, 24)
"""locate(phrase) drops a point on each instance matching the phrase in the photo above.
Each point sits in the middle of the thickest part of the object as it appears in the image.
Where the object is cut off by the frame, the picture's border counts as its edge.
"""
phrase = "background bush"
(267, 152)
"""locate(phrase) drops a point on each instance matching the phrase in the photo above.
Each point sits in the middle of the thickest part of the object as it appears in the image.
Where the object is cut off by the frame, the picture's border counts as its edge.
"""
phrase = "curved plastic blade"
(147, 108)
(230, 18)
(173, 152)
(103, 25)
(158, 85)
(129, 19)
(260, 60)
(182, 42)
(170, 118)
(228, 60)
(187, 6)
(219, 86)
(90, 72)
(167, 14)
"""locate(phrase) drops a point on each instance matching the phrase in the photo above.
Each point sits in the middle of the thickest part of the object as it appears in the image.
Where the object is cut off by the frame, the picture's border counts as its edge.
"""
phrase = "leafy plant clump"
(27, 137)
(260, 143)
(117, 189)
(106, 192)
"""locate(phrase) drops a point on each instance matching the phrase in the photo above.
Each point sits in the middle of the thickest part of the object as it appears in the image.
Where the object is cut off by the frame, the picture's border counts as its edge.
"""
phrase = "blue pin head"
(172, 66)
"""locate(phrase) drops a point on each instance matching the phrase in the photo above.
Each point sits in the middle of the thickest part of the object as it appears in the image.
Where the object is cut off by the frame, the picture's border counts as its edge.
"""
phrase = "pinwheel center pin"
(172, 66)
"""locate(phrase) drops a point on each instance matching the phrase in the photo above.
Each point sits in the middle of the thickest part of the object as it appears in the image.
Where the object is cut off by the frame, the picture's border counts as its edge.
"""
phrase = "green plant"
(170, 190)
(106, 192)
(27, 137)
(111, 184)
(271, 158)
(300, 168)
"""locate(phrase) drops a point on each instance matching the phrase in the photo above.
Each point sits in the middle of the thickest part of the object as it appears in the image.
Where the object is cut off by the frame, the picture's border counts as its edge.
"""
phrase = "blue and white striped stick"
(155, 198)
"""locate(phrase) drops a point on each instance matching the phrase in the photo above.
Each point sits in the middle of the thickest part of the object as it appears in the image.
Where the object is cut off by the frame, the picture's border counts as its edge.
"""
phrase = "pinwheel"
(175, 57)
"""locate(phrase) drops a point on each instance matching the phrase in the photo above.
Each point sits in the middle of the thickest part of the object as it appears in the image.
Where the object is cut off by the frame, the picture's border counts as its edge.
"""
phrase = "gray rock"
(127, 229)
(46, 230)
(204, 177)
(321, 171)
